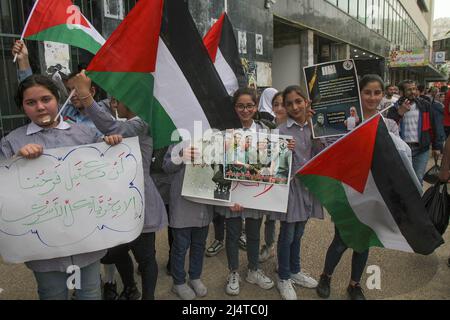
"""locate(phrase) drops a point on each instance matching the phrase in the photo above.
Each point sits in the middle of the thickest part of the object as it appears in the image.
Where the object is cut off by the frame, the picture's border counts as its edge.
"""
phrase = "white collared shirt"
(34, 128)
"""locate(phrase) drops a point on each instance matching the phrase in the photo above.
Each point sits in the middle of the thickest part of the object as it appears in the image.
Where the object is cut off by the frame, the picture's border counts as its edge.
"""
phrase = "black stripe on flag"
(228, 47)
(401, 196)
(180, 34)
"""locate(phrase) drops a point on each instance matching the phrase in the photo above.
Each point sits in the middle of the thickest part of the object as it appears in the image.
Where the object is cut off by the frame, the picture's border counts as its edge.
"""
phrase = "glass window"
(353, 8)
(362, 15)
(343, 5)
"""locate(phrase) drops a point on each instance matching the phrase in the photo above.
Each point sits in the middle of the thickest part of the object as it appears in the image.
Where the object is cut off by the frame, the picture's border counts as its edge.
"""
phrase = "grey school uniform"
(155, 211)
(302, 205)
(64, 135)
(184, 213)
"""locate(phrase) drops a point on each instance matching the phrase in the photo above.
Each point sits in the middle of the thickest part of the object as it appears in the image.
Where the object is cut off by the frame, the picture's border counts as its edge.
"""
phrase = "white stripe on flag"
(174, 92)
(226, 73)
(371, 210)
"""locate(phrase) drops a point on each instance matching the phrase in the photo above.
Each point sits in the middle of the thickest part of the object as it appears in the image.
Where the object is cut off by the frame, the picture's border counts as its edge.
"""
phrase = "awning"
(428, 72)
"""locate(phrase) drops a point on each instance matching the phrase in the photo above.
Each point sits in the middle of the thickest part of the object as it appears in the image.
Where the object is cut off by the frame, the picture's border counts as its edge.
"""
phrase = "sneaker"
(199, 288)
(259, 278)
(110, 291)
(215, 248)
(266, 253)
(286, 288)
(356, 292)
(232, 288)
(130, 293)
(243, 241)
(304, 280)
(323, 288)
(184, 292)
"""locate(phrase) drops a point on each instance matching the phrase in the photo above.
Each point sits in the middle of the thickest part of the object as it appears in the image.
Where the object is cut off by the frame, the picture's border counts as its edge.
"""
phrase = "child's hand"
(191, 154)
(20, 49)
(31, 151)
(83, 85)
(291, 144)
(113, 140)
(237, 208)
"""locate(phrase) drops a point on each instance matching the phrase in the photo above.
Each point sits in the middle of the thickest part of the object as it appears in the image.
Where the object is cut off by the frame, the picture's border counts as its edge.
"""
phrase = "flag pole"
(26, 26)
(65, 104)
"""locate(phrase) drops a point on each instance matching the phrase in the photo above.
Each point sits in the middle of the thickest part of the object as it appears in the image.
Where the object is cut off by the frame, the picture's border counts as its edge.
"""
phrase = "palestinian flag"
(61, 21)
(158, 66)
(364, 185)
(223, 51)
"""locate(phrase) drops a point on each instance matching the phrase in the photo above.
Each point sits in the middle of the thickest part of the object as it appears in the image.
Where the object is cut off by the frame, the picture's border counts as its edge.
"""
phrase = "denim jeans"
(233, 232)
(420, 161)
(53, 285)
(194, 240)
(219, 227)
(289, 242)
(143, 249)
(269, 232)
(334, 255)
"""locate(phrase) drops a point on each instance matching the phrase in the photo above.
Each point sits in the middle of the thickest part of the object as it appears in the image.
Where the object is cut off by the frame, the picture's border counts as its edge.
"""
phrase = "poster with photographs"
(257, 157)
(334, 91)
(114, 9)
(204, 178)
(242, 40)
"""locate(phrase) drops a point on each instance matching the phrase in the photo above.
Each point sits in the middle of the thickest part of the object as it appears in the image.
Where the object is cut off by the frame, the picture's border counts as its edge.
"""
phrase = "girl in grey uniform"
(143, 247)
(244, 102)
(189, 222)
(38, 96)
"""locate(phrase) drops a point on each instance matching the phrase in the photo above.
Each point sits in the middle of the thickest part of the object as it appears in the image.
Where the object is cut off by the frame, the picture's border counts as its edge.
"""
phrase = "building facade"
(276, 38)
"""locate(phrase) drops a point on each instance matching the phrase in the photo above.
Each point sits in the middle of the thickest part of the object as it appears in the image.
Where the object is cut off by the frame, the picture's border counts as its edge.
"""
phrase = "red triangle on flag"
(51, 13)
(349, 160)
(133, 45)
(212, 38)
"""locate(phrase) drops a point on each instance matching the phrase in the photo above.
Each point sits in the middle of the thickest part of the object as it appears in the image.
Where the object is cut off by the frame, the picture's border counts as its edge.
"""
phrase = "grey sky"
(441, 9)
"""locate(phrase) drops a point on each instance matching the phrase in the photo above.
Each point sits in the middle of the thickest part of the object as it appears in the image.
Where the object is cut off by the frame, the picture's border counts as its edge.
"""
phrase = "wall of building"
(422, 19)
(286, 66)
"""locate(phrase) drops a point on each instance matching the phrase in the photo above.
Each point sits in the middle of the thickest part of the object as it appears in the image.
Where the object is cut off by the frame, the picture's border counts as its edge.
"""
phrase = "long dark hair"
(295, 89)
(242, 92)
(32, 81)
(369, 78)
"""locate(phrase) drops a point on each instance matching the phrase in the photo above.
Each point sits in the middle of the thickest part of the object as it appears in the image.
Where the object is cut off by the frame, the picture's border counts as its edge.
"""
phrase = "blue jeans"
(183, 240)
(53, 285)
(289, 242)
(233, 230)
(334, 255)
(269, 232)
(420, 161)
(219, 227)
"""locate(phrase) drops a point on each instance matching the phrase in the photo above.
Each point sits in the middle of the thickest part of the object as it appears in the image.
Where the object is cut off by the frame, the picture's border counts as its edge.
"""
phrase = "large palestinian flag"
(61, 21)
(364, 185)
(162, 71)
(223, 51)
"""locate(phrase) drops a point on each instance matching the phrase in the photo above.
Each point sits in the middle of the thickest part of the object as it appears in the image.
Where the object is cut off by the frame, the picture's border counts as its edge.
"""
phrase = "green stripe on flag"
(331, 194)
(162, 126)
(75, 37)
(135, 90)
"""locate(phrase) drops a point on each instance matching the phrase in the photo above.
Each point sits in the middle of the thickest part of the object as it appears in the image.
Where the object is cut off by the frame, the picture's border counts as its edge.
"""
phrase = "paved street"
(403, 276)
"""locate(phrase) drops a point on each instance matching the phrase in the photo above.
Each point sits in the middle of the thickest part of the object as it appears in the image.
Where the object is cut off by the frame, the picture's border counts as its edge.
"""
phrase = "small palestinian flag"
(160, 69)
(61, 21)
(223, 51)
(364, 185)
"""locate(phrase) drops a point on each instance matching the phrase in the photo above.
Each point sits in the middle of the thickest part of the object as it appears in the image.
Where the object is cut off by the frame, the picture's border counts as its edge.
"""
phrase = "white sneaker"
(199, 288)
(259, 278)
(184, 292)
(286, 289)
(304, 280)
(266, 253)
(232, 287)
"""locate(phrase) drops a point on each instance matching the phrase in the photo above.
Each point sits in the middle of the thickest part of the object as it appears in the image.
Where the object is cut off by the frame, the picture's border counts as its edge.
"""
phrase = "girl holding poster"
(38, 97)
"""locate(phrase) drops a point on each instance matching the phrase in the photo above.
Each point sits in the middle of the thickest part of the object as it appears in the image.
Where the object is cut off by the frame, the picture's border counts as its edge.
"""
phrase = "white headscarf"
(265, 102)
